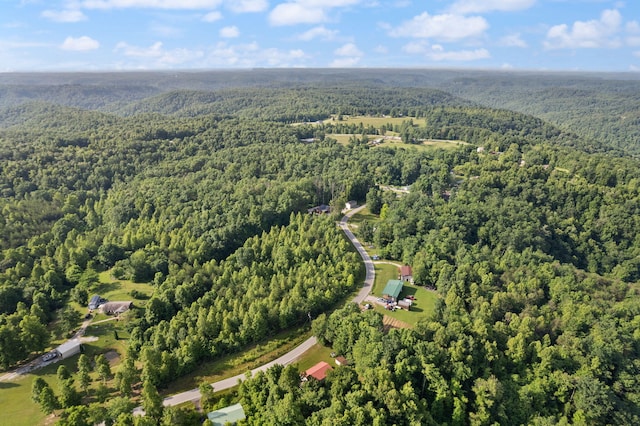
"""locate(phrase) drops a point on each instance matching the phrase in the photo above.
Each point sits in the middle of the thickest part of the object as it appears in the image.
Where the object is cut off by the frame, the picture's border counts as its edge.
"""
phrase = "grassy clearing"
(342, 139)
(113, 289)
(376, 121)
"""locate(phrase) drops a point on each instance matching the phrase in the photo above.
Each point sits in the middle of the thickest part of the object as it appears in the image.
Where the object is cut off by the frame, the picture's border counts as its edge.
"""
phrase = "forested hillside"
(527, 230)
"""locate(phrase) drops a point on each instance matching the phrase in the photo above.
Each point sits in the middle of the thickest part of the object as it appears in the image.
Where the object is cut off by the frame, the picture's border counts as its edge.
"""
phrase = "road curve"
(298, 351)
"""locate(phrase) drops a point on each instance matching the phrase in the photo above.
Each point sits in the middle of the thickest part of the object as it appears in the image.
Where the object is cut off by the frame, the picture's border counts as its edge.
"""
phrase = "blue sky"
(78, 35)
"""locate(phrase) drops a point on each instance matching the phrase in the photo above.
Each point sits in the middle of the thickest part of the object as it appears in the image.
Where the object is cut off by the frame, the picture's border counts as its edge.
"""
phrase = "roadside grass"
(362, 215)
(233, 364)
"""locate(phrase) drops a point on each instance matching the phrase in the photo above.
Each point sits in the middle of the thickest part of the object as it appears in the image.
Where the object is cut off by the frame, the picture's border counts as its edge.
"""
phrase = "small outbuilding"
(69, 348)
(406, 274)
(392, 290)
(405, 304)
(340, 360)
(227, 415)
(351, 205)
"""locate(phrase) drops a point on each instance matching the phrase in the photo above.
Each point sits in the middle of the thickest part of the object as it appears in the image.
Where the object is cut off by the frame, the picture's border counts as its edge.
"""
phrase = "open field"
(114, 289)
(374, 121)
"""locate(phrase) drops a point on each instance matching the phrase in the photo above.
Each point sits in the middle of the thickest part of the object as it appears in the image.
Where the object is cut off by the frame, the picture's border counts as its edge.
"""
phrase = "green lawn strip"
(231, 365)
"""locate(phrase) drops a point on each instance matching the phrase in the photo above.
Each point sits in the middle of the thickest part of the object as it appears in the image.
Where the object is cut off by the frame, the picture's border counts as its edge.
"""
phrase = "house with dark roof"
(321, 209)
(392, 290)
(116, 308)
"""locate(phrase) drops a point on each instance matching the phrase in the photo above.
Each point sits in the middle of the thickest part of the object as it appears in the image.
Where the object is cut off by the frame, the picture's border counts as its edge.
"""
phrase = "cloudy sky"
(49, 35)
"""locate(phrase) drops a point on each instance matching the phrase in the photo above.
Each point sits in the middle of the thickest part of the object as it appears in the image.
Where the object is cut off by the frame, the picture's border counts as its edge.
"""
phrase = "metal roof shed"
(230, 414)
(69, 348)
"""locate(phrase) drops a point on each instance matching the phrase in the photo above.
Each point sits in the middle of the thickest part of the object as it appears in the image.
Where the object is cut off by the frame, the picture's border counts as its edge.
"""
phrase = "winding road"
(297, 352)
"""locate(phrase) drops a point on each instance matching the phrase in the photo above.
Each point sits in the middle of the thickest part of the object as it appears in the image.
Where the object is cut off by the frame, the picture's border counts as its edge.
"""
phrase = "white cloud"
(381, 49)
(348, 56)
(154, 50)
(305, 11)
(633, 31)
(244, 6)
(295, 13)
(437, 53)
(344, 62)
(318, 32)
(445, 27)
(80, 44)
(165, 30)
(162, 57)
(348, 49)
(64, 15)
(479, 6)
(590, 34)
(229, 32)
(212, 16)
(513, 40)
(150, 4)
(251, 55)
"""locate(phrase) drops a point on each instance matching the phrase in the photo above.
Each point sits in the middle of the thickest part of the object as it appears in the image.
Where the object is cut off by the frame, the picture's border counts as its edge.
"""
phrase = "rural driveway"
(298, 351)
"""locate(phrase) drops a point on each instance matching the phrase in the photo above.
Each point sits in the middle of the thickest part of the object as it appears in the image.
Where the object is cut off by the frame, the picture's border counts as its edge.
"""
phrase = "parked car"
(48, 356)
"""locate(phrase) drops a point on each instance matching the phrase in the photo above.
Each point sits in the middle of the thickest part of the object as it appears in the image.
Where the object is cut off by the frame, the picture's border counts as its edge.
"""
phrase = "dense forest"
(200, 187)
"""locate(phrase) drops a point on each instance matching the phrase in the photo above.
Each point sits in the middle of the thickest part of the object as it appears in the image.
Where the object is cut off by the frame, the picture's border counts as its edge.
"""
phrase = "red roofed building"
(318, 371)
(406, 274)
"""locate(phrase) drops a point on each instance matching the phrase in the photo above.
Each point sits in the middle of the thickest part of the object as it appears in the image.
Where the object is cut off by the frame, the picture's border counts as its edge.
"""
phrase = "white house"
(351, 205)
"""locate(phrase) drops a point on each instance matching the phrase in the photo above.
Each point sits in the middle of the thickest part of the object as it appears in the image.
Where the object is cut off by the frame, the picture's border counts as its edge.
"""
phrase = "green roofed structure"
(226, 415)
(392, 289)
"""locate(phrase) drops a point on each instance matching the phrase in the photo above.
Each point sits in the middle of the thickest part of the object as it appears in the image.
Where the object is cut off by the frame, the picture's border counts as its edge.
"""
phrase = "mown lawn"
(316, 354)
(114, 289)
(423, 305)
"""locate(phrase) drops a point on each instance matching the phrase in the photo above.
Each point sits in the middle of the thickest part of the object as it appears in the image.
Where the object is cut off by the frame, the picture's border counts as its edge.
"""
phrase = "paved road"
(294, 354)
